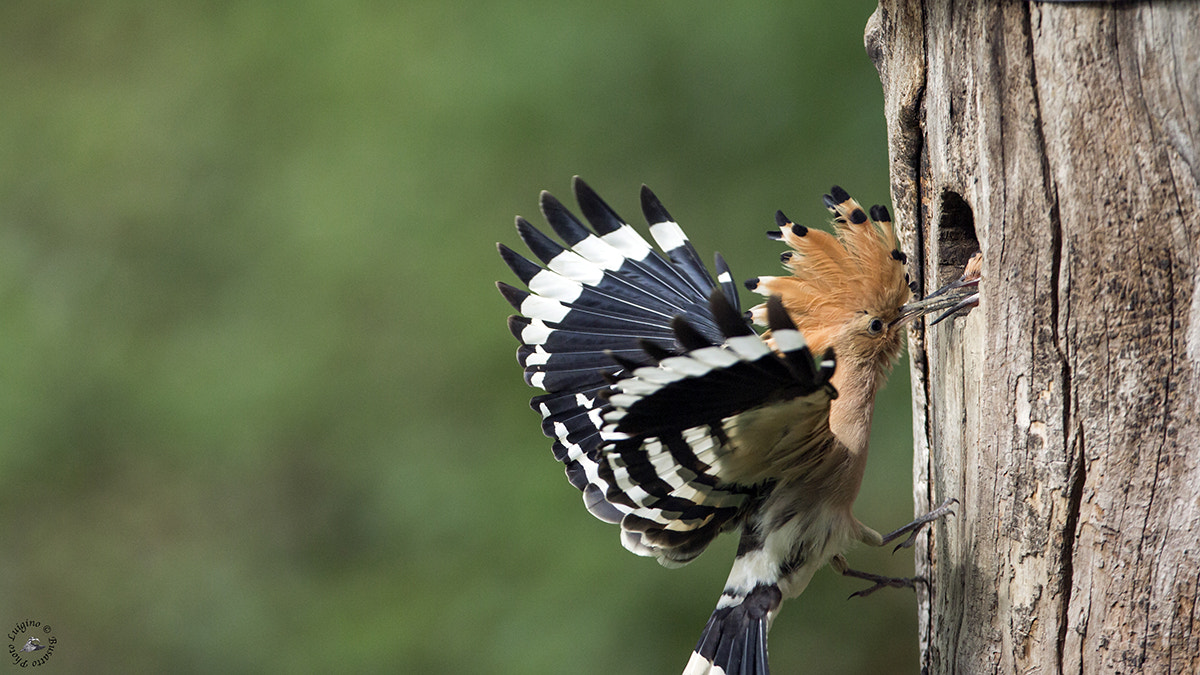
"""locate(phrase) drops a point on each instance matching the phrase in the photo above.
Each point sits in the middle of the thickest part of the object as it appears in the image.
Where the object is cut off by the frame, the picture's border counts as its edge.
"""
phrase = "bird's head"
(847, 290)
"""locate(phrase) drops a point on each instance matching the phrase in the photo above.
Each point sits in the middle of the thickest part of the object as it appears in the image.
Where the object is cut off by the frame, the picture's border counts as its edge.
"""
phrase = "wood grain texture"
(1065, 411)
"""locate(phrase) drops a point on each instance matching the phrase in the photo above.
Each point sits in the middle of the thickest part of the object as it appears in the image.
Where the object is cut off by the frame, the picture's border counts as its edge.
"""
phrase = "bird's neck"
(850, 413)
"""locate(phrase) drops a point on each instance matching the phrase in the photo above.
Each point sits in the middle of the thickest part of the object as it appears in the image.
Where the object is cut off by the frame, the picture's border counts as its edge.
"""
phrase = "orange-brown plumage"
(834, 277)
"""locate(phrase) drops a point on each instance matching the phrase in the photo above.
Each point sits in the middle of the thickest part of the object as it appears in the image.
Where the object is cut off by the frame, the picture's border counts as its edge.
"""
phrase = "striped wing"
(676, 429)
(648, 451)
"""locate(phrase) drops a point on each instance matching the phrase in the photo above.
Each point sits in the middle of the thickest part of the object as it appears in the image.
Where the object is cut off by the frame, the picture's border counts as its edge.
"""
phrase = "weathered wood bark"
(1062, 140)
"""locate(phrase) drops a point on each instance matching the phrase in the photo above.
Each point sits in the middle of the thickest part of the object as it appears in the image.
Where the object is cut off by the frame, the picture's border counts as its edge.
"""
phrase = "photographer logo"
(30, 643)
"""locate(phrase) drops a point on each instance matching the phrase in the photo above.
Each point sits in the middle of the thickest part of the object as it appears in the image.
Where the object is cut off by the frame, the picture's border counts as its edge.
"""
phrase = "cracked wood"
(1063, 412)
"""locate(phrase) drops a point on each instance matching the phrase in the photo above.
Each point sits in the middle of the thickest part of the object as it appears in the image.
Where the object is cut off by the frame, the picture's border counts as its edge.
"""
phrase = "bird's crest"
(833, 276)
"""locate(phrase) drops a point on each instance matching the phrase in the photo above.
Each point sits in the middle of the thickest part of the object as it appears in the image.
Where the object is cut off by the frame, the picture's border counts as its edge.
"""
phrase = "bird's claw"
(907, 543)
(881, 582)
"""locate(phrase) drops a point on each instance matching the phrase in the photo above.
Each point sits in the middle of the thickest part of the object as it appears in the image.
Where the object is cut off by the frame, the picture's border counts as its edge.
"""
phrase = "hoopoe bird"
(678, 421)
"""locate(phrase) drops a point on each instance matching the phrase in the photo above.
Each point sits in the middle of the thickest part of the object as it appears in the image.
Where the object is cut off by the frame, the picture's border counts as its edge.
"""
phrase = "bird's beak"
(960, 294)
(953, 297)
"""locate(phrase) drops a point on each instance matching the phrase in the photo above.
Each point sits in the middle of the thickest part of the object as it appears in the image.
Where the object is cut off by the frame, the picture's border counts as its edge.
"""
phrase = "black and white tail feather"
(654, 382)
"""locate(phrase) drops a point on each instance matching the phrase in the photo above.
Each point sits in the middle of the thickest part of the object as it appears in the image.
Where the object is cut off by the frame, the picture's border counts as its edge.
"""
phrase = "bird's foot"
(841, 567)
(914, 528)
(880, 582)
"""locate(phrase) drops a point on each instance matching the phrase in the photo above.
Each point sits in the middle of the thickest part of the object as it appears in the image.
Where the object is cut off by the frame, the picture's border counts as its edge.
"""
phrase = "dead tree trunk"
(1062, 140)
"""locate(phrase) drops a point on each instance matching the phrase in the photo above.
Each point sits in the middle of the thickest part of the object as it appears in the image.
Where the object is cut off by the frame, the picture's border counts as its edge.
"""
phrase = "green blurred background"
(260, 410)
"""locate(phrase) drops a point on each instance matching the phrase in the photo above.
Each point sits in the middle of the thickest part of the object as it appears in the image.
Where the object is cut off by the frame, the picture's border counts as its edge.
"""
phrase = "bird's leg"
(873, 538)
(839, 564)
(914, 528)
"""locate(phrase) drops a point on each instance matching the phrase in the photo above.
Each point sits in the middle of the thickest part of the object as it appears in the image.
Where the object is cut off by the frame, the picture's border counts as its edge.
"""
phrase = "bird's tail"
(735, 638)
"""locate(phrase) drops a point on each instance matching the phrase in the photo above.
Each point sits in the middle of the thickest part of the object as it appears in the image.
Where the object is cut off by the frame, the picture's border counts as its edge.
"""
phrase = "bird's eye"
(875, 327)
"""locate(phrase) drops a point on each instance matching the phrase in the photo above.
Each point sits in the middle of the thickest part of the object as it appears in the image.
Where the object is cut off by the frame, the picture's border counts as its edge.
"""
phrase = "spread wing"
(658, 391)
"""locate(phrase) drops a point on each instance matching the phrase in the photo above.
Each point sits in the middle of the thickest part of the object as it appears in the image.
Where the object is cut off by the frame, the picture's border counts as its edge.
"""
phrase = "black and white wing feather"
(647, 364)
